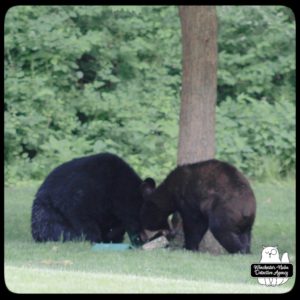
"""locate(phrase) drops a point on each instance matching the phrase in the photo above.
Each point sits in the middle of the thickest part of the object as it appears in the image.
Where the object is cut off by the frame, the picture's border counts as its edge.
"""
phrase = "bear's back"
(211, 172)
(103, 165)
(210, 180)
(99, 175)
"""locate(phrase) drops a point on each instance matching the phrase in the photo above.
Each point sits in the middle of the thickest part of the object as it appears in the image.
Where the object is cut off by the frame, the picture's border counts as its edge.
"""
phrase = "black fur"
(210, 194)
(96, 198)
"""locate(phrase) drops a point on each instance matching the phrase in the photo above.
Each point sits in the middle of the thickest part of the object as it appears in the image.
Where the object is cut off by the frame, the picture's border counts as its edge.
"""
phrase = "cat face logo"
(273, 265)
(270, 254)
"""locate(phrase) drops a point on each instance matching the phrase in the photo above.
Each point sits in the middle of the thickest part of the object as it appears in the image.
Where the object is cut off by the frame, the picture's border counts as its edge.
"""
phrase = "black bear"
(210, 194)
(96, 197)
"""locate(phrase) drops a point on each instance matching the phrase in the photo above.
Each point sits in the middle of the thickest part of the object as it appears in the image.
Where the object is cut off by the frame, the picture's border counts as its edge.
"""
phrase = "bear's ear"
(148, 186)
(151, 182)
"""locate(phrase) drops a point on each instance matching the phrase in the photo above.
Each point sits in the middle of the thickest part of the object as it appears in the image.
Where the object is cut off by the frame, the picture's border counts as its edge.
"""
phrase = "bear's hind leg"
(59, 232)
(230, 239)
(245, 239)
(48, 225)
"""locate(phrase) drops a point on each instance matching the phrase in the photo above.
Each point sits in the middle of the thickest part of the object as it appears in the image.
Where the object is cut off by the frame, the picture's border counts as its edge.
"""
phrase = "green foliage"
(256, 53)
(87, 79)
(256, 136)
(80, 80)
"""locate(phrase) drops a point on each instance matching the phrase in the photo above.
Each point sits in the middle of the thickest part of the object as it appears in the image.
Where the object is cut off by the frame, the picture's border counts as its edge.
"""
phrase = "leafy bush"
(84, 79)
(256, 136)
(256, 53)
(80, 80)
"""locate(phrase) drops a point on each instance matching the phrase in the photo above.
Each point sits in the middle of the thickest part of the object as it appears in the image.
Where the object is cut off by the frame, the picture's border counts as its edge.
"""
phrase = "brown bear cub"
(208, 195)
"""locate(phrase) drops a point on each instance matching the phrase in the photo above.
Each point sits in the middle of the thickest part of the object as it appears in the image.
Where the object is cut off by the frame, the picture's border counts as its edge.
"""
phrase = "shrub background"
(83, 79)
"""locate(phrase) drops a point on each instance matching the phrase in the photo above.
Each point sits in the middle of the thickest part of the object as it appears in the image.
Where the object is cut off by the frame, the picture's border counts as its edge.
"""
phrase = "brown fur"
(210, 194)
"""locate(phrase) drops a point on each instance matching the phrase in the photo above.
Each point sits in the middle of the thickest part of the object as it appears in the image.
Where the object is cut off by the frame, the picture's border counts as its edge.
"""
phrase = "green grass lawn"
(73, 268)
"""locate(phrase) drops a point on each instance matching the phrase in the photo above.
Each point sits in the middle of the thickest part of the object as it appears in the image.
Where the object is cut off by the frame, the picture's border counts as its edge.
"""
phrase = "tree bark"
(198, 95)
(199, 84)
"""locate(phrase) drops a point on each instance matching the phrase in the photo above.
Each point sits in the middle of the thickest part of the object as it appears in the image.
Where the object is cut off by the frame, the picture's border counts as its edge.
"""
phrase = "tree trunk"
(199, 84)
(198, 94)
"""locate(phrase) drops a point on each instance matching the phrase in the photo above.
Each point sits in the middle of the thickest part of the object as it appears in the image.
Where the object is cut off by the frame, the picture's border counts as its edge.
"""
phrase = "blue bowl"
(111, 247)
